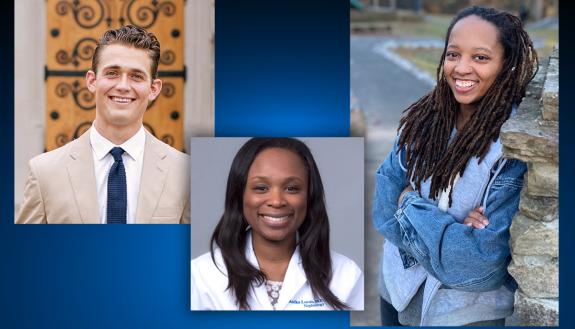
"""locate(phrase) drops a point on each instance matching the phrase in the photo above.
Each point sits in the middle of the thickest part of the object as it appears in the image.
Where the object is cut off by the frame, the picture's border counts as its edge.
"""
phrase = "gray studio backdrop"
(340, 162)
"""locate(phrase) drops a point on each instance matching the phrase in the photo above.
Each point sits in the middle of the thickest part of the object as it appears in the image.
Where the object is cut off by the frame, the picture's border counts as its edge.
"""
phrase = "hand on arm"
(476, 219)
(464, 255)
(406, 190)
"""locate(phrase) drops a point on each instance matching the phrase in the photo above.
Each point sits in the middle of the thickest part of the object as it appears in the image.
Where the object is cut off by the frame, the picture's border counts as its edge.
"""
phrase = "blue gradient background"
(282, 68)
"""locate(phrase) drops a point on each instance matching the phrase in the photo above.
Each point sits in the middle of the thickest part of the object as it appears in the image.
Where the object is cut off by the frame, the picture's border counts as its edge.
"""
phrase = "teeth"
(122, 100)
(275, 219)
(464, 84)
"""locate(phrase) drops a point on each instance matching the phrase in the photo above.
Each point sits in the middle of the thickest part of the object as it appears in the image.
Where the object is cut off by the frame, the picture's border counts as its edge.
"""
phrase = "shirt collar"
(134, 146)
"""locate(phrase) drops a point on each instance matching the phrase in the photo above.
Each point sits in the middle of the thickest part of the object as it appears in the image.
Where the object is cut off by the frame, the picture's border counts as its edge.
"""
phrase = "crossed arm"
(460, 255)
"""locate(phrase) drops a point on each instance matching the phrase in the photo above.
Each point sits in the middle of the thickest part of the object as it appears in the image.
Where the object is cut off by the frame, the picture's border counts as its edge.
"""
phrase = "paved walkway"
(383, 89)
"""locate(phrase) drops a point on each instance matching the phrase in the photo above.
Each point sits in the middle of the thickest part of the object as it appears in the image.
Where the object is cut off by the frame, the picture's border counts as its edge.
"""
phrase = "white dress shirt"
(133, 159)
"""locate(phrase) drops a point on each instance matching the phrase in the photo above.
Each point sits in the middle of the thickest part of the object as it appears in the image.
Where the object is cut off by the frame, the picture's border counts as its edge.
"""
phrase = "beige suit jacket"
(61, 187)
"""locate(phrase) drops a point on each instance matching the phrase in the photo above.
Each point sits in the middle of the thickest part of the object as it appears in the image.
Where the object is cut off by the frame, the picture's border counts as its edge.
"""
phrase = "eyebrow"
(286, 179)
(118, 67)
(475, 48)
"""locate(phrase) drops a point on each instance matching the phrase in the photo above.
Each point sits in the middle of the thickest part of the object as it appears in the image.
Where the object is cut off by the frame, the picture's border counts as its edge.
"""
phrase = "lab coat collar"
(294, 279)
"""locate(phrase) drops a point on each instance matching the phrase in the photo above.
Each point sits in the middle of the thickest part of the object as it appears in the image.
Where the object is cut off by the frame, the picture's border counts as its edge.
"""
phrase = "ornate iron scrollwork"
(81, 128)
(168, 139)
(80, 20)
(168, 90)
(168, 57)
(146, 16)
(84, 50)
(62, 139)
(84, 15)
(82, 96)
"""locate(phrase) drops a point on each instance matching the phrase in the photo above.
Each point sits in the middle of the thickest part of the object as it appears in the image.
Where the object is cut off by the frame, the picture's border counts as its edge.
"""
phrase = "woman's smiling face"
(275, 197)
(473, 59)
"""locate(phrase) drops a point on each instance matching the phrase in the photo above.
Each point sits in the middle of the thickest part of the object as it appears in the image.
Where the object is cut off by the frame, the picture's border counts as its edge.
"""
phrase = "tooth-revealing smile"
(275, 219)
(121, 100)
(464, 84)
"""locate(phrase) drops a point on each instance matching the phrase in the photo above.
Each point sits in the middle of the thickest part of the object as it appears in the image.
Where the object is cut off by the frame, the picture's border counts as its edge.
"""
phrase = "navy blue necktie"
(117, 199)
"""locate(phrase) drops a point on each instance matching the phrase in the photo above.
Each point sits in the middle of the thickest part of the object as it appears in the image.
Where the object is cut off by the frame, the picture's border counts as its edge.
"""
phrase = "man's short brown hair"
(133, 36)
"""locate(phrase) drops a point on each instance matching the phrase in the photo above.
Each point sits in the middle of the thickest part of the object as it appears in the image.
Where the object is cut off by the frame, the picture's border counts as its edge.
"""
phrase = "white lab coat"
(209, 283)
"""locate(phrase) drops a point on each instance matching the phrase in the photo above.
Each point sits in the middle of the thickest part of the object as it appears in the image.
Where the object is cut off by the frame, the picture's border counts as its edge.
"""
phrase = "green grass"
(430, 27)
(550, 39)
(436, 26)
(426, 59)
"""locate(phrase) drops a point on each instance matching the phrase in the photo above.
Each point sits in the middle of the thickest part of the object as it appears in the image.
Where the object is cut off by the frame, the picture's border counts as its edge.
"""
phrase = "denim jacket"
(458, 256)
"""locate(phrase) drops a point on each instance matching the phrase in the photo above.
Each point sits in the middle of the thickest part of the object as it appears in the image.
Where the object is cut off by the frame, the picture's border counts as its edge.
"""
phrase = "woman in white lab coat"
(270, 249)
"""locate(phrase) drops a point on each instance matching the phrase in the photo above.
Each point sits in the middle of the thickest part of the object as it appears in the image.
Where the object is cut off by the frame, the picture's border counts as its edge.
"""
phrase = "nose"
(276, 198)
(463, 67)
(123, 82)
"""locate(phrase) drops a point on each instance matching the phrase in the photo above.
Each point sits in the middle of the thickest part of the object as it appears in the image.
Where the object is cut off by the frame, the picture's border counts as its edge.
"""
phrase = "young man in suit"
(116, 172)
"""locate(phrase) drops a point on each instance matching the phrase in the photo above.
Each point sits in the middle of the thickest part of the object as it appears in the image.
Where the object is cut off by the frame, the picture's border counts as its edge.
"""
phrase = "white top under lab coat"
(209, 283)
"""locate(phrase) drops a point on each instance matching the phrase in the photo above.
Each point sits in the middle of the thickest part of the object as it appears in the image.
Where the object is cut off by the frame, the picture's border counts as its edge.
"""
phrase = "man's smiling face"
(123, 86)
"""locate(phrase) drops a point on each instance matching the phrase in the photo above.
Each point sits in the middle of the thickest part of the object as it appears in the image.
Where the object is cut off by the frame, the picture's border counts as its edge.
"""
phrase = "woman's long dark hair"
(230, 233)
(427, 124)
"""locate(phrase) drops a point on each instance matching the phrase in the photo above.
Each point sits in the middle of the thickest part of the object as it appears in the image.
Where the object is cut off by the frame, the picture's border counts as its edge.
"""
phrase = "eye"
(260, 188)
(111, 73)
(137, 76)
(292, 188)
(481, 58)
(451, 55)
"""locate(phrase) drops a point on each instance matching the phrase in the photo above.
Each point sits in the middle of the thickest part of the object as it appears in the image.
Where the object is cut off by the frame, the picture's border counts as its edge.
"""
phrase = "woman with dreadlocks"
(445, 196)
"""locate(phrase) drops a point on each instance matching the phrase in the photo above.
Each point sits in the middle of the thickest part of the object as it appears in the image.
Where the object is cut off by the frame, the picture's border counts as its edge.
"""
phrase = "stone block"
(534, 238)
(528, 137)
(537, 276)
(550, 95)
(535, 87)
(539, 208)
(536, 311)
(543, 179)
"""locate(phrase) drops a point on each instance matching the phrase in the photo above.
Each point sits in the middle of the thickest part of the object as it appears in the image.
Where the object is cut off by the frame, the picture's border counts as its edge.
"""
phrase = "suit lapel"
(154, 173)
(83, 179)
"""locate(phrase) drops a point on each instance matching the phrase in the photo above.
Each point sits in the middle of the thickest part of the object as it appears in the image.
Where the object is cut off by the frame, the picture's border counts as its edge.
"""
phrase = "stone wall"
(533, 136)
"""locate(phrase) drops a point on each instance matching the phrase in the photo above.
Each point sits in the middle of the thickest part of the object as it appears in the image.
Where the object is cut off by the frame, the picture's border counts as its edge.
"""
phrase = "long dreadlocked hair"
(427, 124)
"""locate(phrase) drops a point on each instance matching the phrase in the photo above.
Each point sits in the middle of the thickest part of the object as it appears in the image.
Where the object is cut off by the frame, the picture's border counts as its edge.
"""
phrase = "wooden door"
(73, 28)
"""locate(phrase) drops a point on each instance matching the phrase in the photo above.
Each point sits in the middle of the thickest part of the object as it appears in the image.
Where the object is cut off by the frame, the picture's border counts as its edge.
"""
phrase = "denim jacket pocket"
(409, 236)
(501, 182)
(407, 260)
(513, 175)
